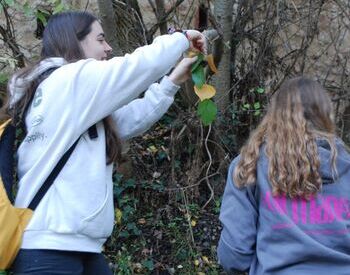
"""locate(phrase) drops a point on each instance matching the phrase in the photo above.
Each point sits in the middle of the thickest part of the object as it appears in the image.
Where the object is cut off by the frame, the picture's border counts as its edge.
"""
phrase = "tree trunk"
(107, 16)
(222, 81)
(160, 14)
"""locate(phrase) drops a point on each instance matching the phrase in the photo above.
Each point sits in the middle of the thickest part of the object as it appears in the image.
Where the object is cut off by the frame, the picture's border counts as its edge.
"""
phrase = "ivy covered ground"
(161, 225)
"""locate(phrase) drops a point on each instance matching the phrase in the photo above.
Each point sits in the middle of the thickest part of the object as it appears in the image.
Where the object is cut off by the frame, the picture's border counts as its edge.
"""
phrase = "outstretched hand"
(182, 71)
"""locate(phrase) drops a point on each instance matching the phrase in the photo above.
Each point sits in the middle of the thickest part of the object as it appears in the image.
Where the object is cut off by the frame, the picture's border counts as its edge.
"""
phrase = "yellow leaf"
(200, 273)
(118, 216)
(192, 53)
(196, 262)
(206, 92)
(153, 149)
(205, 259)
(193, 223)
(210, 60)
(141, 221)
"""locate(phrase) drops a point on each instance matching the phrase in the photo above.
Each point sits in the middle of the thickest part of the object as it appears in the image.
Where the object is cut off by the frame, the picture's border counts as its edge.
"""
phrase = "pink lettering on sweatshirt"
(320, 210)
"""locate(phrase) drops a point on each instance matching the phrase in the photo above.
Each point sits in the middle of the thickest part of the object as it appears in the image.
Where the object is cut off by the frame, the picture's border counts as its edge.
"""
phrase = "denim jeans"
(55, 262)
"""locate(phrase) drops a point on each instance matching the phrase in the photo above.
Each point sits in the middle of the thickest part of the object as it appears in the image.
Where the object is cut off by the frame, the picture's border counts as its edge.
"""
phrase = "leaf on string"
(192, 53)
(198, 62)
(210, 60)
(206, 92)
(198, 76)
(207, 111)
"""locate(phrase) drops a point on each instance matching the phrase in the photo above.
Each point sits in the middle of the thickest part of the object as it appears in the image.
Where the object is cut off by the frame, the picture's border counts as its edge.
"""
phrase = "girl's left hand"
(182, 71)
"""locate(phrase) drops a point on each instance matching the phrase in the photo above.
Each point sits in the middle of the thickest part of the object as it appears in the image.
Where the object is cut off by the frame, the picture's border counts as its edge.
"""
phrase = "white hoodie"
(77, 212)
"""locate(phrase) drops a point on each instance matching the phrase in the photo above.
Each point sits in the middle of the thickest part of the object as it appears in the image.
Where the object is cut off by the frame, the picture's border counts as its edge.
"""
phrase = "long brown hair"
(299, 113)
(61, 38)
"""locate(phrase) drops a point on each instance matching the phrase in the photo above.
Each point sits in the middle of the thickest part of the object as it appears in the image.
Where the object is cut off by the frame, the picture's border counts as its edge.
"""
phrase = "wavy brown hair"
(61, 38)
(299, 113)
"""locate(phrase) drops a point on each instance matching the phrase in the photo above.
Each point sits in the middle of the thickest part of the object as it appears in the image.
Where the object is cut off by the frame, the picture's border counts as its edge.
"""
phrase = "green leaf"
(246, 106)
(41, 17)
(124, 234)
(198, 76)
(10, 2)
(148, 264)
(260, 90)
(207, 111)
(257, 105)
(257, 113)
(59, 8)
(3, 78)
(27, 10)
(198, 62)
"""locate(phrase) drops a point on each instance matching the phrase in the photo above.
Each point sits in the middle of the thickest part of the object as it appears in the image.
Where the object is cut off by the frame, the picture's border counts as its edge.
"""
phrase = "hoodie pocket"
(100, 223)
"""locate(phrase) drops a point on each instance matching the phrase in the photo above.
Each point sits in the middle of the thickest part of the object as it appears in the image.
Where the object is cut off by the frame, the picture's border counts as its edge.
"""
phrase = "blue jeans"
(55, 262)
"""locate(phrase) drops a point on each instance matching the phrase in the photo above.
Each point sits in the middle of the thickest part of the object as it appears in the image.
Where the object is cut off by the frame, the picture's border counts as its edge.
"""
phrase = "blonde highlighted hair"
(299, 113)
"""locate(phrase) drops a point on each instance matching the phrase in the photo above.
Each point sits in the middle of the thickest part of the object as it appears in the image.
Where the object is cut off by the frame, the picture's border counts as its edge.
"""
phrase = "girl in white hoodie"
(80, 95)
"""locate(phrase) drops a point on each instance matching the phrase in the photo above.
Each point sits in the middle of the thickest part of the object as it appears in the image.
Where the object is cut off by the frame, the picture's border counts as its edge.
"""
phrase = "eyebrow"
(101, 34)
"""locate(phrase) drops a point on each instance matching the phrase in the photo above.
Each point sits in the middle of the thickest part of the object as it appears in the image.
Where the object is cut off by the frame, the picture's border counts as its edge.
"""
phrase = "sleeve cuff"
(168, 86)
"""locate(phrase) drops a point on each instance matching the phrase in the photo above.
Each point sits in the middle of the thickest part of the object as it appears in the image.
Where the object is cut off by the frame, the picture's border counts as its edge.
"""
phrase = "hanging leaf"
(198, 76)
(192, 53)
(210, 60)
(206, 92)
(198, 62)
(207, 111)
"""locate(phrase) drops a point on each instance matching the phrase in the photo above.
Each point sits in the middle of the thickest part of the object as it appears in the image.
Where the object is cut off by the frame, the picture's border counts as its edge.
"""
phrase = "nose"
(108, 49)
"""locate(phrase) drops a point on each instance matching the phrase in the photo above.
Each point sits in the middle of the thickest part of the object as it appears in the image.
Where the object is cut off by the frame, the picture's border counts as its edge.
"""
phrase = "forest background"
(168, 190)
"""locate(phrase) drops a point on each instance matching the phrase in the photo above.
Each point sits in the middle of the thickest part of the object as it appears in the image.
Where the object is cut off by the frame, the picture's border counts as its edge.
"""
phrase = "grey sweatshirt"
(277, 235)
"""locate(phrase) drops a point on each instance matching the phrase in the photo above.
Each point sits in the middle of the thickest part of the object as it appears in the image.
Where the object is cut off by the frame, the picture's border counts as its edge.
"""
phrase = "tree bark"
(163, 27)
(108, 21)
(222, 80)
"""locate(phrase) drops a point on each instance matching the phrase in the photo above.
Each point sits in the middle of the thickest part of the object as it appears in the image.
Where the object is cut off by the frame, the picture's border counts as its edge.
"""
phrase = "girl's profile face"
(94, 44)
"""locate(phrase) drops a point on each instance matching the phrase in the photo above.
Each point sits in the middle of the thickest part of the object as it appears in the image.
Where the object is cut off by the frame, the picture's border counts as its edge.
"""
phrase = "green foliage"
(148, 264)
(3, 78)
(200, 58)
(198, 76)
(207, 111)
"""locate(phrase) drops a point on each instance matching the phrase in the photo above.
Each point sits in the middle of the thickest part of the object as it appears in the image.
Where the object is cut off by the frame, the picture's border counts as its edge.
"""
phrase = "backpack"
(13, 220)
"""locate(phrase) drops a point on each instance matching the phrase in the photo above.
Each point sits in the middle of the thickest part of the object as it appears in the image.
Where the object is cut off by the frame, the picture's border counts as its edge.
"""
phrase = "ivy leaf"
(260, 90)
(198, 76)
(246, 106)
(207, 111)
(257, 105)
(148, 264)
(198, 62)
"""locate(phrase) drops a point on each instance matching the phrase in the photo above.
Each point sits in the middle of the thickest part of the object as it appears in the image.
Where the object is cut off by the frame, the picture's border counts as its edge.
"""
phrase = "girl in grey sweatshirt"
(286, 206)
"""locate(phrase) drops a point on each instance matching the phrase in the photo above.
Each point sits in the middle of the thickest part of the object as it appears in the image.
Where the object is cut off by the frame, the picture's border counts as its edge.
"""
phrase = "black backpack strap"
(51, 178)
(7, 147)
